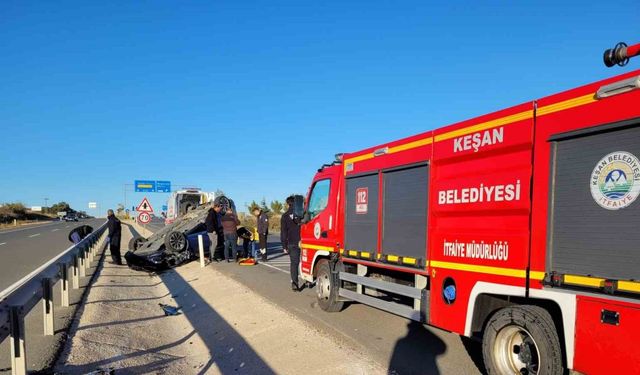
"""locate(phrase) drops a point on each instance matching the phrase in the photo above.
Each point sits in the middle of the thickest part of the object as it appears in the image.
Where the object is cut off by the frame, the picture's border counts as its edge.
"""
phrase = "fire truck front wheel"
(522, 340)
(327, 286)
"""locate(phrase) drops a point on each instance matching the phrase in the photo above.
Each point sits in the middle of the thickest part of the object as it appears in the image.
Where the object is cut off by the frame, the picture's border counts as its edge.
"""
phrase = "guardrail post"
(90, 252)
(201, 247)
(64, 285)
(18, 354)
(87, 256)
(82, 266)
(76, 272)
(95, 246)
(47, 306)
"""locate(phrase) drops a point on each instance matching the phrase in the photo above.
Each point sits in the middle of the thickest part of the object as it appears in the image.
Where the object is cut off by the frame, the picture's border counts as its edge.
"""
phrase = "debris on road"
(170, 310)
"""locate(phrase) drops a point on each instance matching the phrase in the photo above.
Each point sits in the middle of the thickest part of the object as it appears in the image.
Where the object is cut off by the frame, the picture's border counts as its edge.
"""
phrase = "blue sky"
(251, 97)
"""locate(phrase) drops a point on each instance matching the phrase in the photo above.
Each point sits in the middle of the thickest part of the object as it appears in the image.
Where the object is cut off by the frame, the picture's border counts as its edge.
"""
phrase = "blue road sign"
(144, 186)
(164, 207)
(163, 186)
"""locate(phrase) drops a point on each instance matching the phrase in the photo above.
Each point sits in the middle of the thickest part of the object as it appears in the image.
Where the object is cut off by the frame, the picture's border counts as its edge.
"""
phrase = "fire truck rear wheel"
(327, 288)
(522, 340)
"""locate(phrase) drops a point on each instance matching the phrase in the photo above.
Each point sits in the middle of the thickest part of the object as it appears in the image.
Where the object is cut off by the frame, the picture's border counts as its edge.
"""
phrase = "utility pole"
(45, 204)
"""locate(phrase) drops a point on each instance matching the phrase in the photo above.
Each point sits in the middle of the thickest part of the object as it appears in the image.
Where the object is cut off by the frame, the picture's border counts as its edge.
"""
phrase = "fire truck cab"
(519, 228)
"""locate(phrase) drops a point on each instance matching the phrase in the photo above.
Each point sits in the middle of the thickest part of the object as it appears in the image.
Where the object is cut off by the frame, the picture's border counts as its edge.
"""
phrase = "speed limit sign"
(144, 217)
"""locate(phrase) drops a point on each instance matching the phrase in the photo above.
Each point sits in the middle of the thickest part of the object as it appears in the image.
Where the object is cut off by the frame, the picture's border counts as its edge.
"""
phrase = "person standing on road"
(230, 224)
(263, 230)
(213, 228)
(115, 234)
(290, 238)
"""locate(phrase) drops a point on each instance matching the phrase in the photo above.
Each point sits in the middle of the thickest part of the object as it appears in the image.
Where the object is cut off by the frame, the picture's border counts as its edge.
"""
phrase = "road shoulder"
(224, 327)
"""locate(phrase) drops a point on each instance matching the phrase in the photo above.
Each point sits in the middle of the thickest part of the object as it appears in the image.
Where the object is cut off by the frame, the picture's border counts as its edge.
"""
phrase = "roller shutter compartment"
(595, 221)
(404, 223)
(361, 224)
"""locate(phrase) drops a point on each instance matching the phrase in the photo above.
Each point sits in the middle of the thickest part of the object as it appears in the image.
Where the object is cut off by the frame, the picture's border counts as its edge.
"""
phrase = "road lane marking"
(4, 243)
(53, 230)
(30, 226)
(34, 235)
(67, 226)
(275, 268)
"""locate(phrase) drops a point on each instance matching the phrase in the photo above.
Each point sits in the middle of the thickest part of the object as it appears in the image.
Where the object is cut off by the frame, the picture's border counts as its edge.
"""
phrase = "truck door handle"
(324, 234)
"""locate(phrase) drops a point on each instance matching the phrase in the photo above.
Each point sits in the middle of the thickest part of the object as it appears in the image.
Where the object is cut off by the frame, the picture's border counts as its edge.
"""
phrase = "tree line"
(18, 211)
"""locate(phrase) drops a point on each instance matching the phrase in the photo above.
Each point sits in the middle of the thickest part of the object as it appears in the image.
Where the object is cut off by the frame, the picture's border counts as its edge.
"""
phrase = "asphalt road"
(402, 346)
(22, 251)
(25, 249)
(156, 224)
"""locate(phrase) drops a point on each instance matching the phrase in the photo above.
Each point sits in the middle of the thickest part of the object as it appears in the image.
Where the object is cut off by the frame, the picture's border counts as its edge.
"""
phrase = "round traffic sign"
(144, 217)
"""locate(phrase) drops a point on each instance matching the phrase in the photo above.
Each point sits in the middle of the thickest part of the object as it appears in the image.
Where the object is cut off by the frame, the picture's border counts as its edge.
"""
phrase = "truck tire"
(175, 242)
(522, 340)
(136, 242)
(327, 285)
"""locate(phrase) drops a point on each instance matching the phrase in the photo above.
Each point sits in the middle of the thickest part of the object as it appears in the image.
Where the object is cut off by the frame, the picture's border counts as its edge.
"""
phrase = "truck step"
(403, 290)
(394, 308)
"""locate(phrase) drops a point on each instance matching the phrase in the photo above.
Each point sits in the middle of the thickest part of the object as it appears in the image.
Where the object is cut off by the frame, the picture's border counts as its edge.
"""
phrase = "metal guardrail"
(20, 298)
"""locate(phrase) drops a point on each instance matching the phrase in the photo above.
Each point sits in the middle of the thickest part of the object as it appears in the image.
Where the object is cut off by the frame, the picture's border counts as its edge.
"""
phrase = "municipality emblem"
(615, 181)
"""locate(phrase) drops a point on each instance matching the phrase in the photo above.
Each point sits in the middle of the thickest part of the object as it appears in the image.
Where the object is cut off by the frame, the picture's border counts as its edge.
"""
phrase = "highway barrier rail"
(20, 298)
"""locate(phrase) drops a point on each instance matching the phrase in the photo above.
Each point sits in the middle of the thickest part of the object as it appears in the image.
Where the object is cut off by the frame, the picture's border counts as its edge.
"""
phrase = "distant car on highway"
(70, 217)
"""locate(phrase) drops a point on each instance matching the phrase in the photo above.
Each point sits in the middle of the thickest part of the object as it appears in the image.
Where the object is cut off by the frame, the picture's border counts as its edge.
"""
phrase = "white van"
(182, 201)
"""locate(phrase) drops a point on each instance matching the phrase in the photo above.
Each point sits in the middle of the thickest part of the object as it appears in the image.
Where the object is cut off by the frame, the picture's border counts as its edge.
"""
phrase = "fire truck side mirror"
(298, 206)
(306, 217)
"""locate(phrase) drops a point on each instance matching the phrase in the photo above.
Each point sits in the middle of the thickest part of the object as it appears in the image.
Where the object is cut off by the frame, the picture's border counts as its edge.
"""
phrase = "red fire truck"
(520, 228)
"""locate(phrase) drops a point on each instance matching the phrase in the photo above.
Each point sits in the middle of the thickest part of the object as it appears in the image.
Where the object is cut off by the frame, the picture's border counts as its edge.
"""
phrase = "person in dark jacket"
(214, 228)
(290, 238)
(263, 231)
(115, 234)
(230, 224)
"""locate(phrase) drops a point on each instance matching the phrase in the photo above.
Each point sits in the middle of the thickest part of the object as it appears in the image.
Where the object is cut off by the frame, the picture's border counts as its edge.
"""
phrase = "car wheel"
(175, 241)
(522, 340)
(136, 242)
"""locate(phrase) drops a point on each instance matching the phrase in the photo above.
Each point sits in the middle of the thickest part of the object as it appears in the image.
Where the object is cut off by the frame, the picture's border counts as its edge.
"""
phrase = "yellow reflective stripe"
(487, 269)
(409, 260)
(392, 258)
(410, 145)
(595, 282)
(598, 282)
(536, 275)
(525, 115)
(629, 286)
(486, 125)
(353, 253)
(365, 254)
(317, 247)
(575, 102)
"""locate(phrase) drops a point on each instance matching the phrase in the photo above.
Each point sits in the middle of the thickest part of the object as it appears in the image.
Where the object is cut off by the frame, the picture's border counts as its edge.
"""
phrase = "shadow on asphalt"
(224, 343)
(419, 346)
